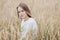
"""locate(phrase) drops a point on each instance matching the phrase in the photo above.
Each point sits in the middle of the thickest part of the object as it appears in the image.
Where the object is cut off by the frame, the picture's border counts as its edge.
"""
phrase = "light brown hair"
(25, 8)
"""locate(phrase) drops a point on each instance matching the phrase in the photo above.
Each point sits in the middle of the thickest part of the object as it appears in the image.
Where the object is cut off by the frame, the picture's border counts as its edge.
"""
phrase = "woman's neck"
(26, 18)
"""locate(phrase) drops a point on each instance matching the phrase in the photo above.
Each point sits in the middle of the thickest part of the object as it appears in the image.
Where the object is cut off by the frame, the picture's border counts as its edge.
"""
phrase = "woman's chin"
(22, 18)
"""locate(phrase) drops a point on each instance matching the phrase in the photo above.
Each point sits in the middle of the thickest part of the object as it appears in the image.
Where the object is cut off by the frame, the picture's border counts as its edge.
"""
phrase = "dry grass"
(47, 14)
(47, 31)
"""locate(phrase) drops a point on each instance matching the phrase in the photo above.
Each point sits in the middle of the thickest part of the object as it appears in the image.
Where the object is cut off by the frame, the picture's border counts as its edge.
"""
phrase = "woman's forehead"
(19, 9)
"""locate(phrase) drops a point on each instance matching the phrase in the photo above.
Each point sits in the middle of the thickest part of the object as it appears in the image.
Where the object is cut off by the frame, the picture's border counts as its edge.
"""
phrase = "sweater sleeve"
(35, 28)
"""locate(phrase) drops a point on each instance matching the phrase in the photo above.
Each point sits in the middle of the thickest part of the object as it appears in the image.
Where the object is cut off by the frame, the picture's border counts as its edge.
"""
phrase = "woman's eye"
(22, 10)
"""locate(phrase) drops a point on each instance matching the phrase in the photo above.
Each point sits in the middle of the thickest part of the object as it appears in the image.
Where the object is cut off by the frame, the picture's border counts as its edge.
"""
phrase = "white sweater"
(27, 25)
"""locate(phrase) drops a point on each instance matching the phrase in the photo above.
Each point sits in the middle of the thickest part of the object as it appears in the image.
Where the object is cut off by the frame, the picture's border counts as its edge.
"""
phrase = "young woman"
(28, 24)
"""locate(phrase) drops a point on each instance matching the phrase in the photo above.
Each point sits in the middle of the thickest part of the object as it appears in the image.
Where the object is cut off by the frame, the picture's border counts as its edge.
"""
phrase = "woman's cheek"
(20, 15)
(24, 15)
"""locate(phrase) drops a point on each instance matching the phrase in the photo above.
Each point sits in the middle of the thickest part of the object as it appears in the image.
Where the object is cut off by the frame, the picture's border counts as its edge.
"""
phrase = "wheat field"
(46, 13)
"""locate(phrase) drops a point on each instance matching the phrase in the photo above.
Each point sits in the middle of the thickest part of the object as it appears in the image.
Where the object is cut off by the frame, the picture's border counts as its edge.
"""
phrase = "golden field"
(46, 13)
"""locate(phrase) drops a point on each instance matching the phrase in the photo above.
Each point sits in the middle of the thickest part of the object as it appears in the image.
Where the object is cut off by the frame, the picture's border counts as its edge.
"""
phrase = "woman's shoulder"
(32, 20)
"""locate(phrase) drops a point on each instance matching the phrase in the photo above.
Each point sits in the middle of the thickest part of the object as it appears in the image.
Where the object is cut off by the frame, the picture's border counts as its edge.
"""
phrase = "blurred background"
(46, 13)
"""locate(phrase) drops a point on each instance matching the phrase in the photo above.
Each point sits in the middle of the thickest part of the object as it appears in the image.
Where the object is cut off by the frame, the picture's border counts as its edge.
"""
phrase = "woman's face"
(22, 13)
